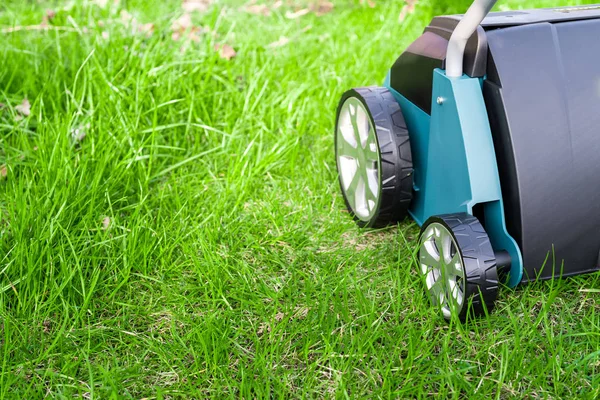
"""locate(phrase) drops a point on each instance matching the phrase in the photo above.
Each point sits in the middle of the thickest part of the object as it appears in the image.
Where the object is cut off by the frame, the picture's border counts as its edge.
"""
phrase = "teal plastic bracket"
(455, 161)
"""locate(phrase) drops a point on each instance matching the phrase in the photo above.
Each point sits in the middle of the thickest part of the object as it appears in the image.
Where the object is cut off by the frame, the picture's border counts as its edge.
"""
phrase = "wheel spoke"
(355, 182)
(428, 256)
(452, 288)
(351, 189)
(446, 249)
(438, 292)
(455, 293)
(355, 127)
(361, 207)
(345, 148)
(363, 126)
(459, 298)
(455, 265)
(345, 126)
(371, 149)
(348, 169)
(373, 179)
(432, 250)
(425, 268)
(439, 245)
(371, 200)
(432, 278)
(428, 235)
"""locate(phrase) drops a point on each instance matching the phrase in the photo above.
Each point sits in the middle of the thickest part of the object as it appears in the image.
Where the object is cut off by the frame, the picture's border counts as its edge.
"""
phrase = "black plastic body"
(541, 84)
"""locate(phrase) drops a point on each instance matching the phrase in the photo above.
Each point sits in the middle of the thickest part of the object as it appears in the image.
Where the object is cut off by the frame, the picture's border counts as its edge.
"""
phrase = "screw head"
(440, 100)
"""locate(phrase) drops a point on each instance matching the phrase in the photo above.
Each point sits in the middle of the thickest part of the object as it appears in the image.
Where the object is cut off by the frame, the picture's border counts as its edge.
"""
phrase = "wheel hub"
(358, 157)
(443, 268)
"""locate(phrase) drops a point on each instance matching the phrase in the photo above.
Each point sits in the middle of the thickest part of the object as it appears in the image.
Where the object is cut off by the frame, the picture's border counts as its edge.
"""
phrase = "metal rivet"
(440, 100)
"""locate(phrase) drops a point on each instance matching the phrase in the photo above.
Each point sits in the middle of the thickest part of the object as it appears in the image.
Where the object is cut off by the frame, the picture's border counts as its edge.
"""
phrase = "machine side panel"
(547, 79)
(462, 170)
(454, 160)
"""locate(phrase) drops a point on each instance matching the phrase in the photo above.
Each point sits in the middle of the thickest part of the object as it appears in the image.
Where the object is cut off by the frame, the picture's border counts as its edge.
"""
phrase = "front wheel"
(458, 264)
(373, 156)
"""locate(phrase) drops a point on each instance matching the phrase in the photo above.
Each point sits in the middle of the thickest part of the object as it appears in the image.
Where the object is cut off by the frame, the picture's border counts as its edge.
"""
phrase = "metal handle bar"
(463, 32)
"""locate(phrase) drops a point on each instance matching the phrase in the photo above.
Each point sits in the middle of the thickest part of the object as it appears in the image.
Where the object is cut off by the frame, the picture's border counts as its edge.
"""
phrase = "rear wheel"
(458, 264)
(373, 156)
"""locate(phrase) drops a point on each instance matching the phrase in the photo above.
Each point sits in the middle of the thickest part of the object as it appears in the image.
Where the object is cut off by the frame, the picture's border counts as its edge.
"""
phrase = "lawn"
(171, 224)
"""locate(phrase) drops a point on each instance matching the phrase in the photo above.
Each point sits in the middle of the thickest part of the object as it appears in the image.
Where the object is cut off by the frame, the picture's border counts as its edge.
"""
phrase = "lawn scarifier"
(485, 133)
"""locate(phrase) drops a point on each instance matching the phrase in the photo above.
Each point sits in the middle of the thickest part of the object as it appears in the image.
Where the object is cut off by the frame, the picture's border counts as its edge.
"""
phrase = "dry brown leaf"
(258, 9)
(195, 5)
(195, 32)
(277, 4)
(297, 14)
(192, 34)
(301, 312)
(182, 23)
(279, 316)
(408, 8)
(263, 328)
(3, 171)
(322, 8)
(281, 42)
(49, 16)
(225, 51)
(105, 223)
(146, 29)
(24, 108)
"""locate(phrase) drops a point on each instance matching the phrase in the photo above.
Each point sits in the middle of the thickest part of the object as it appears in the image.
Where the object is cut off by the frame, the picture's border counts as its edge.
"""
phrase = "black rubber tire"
(481, 274)
(396, 183)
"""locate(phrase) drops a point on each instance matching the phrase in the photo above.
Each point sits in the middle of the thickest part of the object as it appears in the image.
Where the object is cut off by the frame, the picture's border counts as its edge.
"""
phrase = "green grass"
(229, 267)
